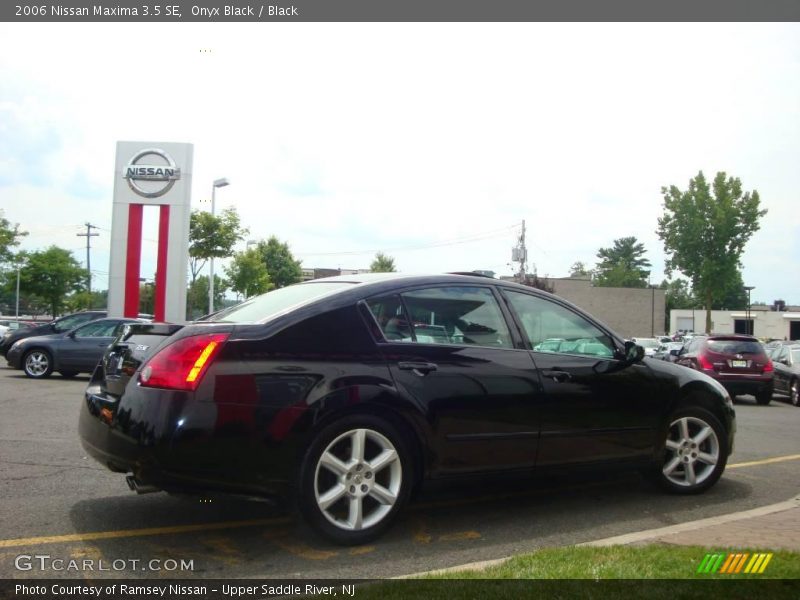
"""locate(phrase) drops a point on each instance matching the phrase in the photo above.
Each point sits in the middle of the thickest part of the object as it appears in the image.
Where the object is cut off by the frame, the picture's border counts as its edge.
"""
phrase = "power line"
(476, 237)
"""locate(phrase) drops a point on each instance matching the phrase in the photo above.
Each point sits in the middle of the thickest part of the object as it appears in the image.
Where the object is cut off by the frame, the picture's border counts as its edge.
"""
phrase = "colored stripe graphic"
(734, 563)
(765, 563)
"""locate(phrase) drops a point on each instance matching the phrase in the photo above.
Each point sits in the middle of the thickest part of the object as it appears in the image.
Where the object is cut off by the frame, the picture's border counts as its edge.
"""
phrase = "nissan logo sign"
(151, 179)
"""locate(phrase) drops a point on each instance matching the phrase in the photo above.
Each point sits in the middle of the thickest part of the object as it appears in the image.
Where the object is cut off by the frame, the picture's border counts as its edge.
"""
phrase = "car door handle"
(557, 375)
(419, 368)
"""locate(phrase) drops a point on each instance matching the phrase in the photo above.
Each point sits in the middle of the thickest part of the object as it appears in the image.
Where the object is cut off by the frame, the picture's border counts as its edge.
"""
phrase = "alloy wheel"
(358, 479)
(794, 392)
(37, 363)
(693, 451)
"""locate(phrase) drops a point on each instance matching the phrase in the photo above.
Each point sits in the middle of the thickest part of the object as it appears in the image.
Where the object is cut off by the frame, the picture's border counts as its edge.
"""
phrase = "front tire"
(37, 364)
(695, 452)
(355, 478)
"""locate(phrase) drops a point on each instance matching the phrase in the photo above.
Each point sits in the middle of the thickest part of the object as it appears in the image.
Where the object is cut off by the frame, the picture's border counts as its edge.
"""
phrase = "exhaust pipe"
(140, 488)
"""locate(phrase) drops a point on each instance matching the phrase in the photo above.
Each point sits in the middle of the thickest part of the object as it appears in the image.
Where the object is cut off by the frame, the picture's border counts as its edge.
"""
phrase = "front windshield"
(266, 306)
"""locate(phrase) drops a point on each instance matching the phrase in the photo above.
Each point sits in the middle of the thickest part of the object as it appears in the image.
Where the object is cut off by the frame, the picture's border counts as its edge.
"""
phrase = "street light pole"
(749, 327)
(17, 312)
(218, 183)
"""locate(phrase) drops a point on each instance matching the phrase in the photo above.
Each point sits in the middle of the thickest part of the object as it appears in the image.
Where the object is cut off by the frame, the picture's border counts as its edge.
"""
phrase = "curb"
(630, 538)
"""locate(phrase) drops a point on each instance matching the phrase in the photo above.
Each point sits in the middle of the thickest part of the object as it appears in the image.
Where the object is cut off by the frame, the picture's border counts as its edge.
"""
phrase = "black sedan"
(786, 358)
(72, 352)
(344, 393)
(60, 325)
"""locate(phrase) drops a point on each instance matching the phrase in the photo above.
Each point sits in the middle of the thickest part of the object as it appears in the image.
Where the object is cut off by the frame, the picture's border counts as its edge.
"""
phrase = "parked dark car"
(12, 325)
(75, 351)
(738, 362)
(344, 393)
(60, 325)
(786, 358)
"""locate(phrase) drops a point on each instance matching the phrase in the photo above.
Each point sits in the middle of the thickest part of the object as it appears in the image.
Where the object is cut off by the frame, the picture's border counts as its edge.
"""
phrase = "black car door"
(451, 351)
(783, 372)
(592, 409)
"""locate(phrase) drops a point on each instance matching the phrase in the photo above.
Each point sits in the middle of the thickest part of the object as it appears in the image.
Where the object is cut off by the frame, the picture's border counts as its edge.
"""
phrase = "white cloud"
(373, 136)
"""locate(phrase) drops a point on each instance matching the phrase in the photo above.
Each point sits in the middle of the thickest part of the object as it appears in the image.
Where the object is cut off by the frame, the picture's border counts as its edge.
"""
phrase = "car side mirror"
(633, 352)
(71, 334)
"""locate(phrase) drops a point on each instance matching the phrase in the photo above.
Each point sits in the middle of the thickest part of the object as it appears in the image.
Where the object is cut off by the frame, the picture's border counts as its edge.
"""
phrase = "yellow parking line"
(766, 461)
(461, 535)
(126, 533)
(421, 537)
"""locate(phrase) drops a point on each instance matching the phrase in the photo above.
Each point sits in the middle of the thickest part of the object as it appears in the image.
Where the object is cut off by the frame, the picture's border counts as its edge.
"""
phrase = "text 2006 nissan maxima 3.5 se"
(344, 393)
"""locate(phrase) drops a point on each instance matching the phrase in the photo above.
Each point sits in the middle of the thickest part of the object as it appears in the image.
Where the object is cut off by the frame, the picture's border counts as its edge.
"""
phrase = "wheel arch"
(383, 404)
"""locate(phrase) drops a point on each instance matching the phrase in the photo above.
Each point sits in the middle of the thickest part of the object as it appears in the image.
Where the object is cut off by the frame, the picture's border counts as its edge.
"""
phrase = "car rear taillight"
(769, 367)
(704, 363)
(182, 364)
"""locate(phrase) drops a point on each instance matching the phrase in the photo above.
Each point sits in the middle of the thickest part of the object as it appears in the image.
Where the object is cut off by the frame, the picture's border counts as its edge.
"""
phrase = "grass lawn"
(607, 573)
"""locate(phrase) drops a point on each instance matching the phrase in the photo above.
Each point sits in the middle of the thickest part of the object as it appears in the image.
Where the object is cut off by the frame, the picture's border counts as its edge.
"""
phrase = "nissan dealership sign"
(151, 173)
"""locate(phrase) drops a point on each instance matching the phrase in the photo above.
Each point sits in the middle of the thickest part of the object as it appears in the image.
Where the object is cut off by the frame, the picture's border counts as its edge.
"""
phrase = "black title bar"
(199, 11)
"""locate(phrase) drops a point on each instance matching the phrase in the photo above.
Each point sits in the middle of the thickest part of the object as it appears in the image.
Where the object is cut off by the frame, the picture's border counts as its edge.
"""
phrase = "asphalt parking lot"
(57, 503)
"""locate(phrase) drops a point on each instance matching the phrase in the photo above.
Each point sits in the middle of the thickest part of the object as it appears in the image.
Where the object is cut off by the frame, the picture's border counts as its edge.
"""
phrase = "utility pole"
(520, 255)
(88, 235)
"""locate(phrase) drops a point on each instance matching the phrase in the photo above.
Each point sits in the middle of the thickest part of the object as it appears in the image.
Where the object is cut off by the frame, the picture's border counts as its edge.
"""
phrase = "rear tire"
(794, 392)
(37, 364)
(695, 452)
(354, 479)
(763, 397)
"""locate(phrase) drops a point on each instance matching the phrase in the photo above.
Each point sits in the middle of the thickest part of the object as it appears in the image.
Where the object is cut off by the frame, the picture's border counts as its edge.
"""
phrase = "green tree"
(382, 264)
(579, 269)
(734, 296)
(197, 296)
(9, 238)
(213, 236)
(52, 275)
(622, 265)
(248, 274)
(677, 295)
(282, 267)
(80, 300)
(704, 230)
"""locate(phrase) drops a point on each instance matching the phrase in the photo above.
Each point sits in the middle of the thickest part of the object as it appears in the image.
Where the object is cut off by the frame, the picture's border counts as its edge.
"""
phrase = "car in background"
(786, 358)
(60, 325)
(650, 345)
(669, 351)
(9, 325)
(75, 351)
(739, 362)
(342, 394)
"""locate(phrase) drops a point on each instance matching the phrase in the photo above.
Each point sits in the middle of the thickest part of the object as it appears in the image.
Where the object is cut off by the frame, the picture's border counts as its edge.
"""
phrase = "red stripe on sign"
(133, 259)
(161, 264)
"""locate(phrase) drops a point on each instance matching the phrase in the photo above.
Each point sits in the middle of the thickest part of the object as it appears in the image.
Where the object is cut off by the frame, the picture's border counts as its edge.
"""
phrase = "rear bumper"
(167, 440)
(742, 384)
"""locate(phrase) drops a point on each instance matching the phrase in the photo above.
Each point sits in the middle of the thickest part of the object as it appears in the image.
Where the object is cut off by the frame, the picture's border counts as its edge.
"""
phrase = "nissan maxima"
(344, 393)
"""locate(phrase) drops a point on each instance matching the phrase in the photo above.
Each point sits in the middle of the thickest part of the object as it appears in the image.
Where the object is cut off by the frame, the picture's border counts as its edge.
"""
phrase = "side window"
(72, 322)
(552, 328)
(461, 315)
(391, 318)
(97, 329)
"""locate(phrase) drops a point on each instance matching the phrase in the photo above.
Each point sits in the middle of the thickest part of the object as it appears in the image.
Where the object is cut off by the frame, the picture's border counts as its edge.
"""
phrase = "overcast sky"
(431, 142)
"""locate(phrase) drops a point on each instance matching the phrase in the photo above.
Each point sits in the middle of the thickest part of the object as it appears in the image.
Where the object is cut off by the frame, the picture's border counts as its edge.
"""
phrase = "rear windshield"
(262, 308)
(735, 347)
